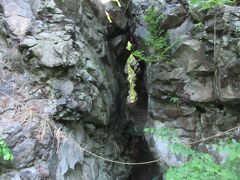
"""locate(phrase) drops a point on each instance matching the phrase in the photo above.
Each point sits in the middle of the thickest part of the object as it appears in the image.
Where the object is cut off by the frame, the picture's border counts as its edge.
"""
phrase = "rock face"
(18, 15)
(61, 87)
(202, 73)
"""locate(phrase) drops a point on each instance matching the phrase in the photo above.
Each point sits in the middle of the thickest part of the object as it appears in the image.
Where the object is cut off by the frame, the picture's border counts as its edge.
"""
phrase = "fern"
(139, 54)
(158, 39)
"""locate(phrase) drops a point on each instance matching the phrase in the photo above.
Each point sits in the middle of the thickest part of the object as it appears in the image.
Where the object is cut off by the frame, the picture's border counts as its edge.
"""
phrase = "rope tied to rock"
(60, 134)
(157, 160)
(119, 162)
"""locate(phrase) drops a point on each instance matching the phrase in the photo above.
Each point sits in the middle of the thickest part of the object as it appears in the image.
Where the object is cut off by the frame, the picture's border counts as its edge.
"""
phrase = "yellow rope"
(156, 160)
(119, 162)
(131, 163)
(214, 136)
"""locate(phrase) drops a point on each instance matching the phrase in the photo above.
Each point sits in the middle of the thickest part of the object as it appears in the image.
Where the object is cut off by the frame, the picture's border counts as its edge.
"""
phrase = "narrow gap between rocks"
(136, 102)
(138, 116)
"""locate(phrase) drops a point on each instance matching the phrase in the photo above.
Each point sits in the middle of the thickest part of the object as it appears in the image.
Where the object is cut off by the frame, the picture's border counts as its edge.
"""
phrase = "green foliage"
(174, 99)
(153, 21)
(199, 25)
(232, 148)
(157, 40)
(163, 133)
(200, 166)
(209, 4)
(139, 54)
(158, 37)
(5, 152)
(156, 178)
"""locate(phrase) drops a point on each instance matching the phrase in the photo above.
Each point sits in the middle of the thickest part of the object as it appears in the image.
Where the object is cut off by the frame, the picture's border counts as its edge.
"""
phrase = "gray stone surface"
(204, 78)
(28, 42)
(18, 15)
(62, 84)
(174, 15)
(52, 51)
(54, 78)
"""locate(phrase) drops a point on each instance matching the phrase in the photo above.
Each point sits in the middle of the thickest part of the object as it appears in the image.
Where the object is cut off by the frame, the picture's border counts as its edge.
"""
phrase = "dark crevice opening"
(142, 153)
(137, 119)
(141, 90)
(136, 111)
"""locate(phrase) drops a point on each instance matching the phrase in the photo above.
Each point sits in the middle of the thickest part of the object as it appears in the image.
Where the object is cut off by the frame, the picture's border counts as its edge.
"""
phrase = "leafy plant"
(5, 152)
(232, 148)
(174, 99)
(139, 54)
(199, 25)
(158, 37)
(209, 4)
(157, 40)
(200, 166)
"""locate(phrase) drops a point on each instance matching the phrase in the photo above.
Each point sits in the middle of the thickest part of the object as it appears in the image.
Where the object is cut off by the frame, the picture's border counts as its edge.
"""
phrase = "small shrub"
(209, 4)
(158, 38)
(5, 152)
(200, 166)
(199, 26)
(174, 99)
(139, 54)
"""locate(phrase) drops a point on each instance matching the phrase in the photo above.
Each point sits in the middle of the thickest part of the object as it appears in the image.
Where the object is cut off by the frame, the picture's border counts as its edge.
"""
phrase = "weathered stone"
(180, 33)
(64, 77)
(51, 4)
(24, 156)
(228, 78)
(201, 89)
(64, 87)
(14, 175)
(119, 19)
(161, 149)
(57, 18)
(219, 26)
(18, 15)
(191, 54)
(70, 154)
(29, 173)
(174, 15)
(28, 42)
(201, 74)
(90, 128)
(73, 71)
(119, 43)
(53, 51)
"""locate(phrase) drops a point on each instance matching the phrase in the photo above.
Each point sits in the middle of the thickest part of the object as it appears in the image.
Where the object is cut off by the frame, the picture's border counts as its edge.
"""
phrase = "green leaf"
(5, 152)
